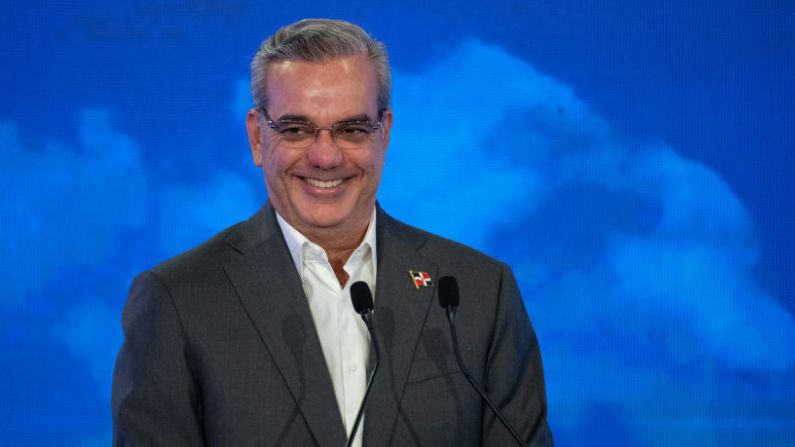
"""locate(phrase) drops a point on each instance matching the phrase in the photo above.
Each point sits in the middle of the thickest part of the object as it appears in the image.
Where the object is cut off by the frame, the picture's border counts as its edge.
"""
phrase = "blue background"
(632, 160)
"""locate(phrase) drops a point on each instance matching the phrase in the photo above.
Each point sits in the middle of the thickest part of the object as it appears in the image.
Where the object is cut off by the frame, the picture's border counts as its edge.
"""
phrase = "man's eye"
(295, 130)
(353, 131)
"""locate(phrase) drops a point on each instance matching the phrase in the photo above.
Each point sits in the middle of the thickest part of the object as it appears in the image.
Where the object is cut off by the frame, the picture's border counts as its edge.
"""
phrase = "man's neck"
(338, 248)
(338, 243)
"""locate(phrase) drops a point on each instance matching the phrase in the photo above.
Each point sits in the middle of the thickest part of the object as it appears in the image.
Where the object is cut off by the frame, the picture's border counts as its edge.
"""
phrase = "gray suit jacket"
(220, 349)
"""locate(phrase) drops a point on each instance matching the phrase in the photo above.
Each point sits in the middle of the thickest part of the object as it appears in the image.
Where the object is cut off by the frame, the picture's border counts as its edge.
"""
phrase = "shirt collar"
(300, 246)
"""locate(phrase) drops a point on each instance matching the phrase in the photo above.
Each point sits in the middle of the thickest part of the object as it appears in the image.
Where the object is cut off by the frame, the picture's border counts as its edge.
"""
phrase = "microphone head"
(448, 292)
(361, 298)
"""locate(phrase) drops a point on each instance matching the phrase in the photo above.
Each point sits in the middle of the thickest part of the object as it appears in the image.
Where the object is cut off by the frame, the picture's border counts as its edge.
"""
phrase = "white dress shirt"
(343, 334)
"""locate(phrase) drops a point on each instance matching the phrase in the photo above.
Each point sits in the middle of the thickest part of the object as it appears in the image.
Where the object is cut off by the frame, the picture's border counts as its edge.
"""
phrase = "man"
(251, 339)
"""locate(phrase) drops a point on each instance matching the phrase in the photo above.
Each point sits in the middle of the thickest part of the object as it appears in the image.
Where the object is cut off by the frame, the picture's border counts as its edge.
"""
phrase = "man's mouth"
(323, 183)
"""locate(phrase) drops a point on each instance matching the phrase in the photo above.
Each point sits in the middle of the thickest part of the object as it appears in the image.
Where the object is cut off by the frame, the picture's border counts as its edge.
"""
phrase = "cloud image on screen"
(69, 211)
(637, 265)
(70, 202)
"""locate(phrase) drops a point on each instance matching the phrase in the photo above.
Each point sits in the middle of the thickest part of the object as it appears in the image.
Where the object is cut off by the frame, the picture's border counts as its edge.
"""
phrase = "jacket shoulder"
(205, 260)
(444, 251)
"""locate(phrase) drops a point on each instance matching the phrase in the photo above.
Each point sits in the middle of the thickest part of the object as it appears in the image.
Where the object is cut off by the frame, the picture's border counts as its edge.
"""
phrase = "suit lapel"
(400, 312)
(271, 293)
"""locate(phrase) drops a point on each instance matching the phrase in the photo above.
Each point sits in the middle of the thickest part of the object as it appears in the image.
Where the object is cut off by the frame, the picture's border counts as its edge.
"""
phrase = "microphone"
(362, 301)
(448, 299)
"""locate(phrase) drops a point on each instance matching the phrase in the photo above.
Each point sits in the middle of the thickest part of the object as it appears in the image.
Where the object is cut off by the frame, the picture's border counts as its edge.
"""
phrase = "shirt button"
(353, 369)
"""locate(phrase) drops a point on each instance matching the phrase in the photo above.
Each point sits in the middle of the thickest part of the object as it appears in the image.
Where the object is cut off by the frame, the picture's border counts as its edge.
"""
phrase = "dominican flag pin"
(420, 279)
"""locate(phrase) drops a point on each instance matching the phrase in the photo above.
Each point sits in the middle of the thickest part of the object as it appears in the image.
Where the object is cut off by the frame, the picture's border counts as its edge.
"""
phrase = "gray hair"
(318, 40)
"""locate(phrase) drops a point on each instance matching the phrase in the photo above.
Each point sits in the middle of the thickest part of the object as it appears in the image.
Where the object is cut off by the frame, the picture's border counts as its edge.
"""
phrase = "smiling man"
(322, 180)
(251, 338)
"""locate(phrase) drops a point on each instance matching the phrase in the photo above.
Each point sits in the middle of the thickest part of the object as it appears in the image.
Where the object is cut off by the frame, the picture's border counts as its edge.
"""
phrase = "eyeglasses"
(346, 134)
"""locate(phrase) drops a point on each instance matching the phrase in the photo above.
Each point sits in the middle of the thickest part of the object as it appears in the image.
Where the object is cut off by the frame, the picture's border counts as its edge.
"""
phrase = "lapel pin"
(420, 279)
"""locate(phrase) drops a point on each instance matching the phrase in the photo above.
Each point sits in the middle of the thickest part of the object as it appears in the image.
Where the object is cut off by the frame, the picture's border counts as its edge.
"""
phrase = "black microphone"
(362, 301)
(448, 299)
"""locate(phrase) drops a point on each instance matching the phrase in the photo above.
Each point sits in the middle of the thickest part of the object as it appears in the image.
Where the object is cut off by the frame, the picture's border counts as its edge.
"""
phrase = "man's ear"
(387, 120)
(254, 131)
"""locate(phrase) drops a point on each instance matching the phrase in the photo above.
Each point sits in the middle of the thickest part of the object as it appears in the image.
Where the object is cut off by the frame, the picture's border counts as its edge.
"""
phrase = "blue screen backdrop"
(631, 160)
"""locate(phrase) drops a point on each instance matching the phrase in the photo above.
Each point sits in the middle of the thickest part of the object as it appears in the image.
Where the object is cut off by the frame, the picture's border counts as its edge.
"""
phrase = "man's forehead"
(357, 66)
(349, 82)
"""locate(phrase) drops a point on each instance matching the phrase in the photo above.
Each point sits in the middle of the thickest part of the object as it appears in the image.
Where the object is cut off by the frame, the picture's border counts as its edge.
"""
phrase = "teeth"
(324, 184)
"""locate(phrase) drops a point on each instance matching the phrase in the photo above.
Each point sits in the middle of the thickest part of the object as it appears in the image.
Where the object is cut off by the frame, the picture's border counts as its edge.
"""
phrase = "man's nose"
(324, 152)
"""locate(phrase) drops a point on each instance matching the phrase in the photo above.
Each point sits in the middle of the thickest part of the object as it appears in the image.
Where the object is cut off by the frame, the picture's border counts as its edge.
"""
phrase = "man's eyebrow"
(299, 118)
(305, 119)
(359, 117)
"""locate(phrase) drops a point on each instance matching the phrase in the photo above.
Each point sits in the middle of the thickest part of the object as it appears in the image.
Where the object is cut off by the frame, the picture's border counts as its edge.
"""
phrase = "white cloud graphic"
(64, 204)
(482, 140)
(637, 265)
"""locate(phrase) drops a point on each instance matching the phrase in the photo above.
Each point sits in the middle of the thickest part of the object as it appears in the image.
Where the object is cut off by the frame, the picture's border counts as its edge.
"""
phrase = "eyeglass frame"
(374, 125)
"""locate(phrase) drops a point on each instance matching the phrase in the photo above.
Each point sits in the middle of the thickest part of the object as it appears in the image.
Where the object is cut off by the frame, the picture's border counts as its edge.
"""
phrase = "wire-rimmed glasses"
(346, 134)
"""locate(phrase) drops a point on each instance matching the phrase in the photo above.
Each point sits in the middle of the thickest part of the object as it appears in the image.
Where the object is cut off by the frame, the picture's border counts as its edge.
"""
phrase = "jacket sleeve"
(514, 376)
(156, 399)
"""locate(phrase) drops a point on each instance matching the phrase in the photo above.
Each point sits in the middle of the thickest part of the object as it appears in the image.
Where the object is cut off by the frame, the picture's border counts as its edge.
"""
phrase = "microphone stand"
(450, 310)
(363, 304)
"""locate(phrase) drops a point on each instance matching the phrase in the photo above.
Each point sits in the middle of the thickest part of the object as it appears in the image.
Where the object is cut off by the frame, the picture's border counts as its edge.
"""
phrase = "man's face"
(321, 189)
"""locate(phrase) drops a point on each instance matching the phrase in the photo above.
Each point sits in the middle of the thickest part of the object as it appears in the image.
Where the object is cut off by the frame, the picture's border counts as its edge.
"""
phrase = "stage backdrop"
(632, 160)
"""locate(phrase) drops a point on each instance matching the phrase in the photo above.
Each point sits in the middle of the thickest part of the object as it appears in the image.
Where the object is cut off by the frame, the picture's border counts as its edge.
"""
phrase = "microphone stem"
(450, 311)
(368, 320)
